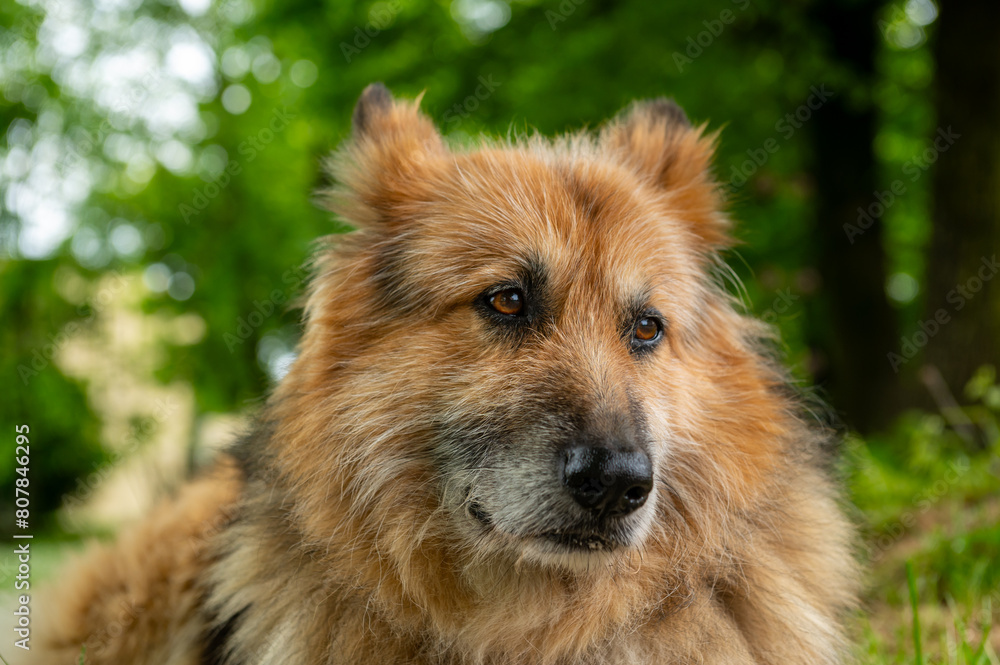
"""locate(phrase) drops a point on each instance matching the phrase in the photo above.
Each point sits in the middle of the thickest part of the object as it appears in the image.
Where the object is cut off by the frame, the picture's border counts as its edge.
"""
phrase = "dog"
(526, 425)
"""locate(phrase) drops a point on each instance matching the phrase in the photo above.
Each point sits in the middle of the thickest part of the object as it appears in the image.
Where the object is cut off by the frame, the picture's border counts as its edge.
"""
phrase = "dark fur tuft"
(668, 109)
(375, 99)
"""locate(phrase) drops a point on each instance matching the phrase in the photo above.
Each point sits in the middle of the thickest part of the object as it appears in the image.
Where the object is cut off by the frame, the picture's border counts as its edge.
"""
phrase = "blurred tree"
(63, 430)
(855, 325)
(963, 253)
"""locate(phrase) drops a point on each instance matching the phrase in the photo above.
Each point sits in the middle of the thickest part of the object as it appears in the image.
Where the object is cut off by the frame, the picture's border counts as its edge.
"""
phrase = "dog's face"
(559, 290)
(526, 314)
(547, 439)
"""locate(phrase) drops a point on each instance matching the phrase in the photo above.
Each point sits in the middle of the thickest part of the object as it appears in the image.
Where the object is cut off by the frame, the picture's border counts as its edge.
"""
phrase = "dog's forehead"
(580, 219)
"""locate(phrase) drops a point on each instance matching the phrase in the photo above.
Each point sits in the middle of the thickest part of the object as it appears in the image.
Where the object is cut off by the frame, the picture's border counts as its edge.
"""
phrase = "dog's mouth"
(584, 542)
(571, 540)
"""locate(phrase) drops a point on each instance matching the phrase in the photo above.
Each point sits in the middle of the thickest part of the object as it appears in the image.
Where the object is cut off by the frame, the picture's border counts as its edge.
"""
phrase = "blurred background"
(157, 176)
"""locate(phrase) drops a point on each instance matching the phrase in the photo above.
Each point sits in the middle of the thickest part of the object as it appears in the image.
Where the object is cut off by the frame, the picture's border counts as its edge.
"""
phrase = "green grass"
(918, 643)
(930, 506)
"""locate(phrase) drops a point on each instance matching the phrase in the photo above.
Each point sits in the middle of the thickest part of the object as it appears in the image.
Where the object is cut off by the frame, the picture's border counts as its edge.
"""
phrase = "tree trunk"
(854, 326)
(965, 242)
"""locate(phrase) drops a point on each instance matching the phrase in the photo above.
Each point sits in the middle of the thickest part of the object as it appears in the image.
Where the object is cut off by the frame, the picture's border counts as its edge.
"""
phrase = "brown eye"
(646, 329)
(509, 302)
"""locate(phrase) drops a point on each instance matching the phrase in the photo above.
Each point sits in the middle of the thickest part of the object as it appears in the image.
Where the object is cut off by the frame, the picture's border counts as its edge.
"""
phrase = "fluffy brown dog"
(526, 425)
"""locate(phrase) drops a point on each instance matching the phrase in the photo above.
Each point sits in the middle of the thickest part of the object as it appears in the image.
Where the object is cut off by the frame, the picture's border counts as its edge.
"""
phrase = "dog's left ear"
(656, 139)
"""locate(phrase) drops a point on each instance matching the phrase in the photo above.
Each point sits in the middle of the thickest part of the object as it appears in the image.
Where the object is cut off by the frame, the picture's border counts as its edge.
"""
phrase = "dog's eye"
(646, 329)
(509, 302)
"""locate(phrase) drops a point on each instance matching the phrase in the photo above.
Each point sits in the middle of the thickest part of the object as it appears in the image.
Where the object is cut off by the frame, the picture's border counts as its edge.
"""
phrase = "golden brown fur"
(137, 596)
(351, 541)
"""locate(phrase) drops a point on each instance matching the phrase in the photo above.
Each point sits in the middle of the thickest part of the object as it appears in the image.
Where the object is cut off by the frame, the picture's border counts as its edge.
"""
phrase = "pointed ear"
(381, 119)
(375, 100)
(656, 139)
(388, 160)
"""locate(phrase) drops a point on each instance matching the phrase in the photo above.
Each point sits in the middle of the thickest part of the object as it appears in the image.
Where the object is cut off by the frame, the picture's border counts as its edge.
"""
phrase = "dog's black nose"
(608, 482)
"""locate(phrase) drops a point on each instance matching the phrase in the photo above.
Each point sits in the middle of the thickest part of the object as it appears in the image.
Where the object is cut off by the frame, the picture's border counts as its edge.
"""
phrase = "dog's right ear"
(380, 120)
(388, 160)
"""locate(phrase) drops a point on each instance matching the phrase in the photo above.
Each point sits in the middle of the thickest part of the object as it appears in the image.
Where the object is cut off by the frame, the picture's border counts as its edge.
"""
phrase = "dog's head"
(520, 350)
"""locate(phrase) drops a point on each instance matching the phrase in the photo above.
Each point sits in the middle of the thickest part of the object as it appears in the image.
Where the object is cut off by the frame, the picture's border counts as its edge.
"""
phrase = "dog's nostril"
(636, 495)
(591, 487)
(605, 481)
